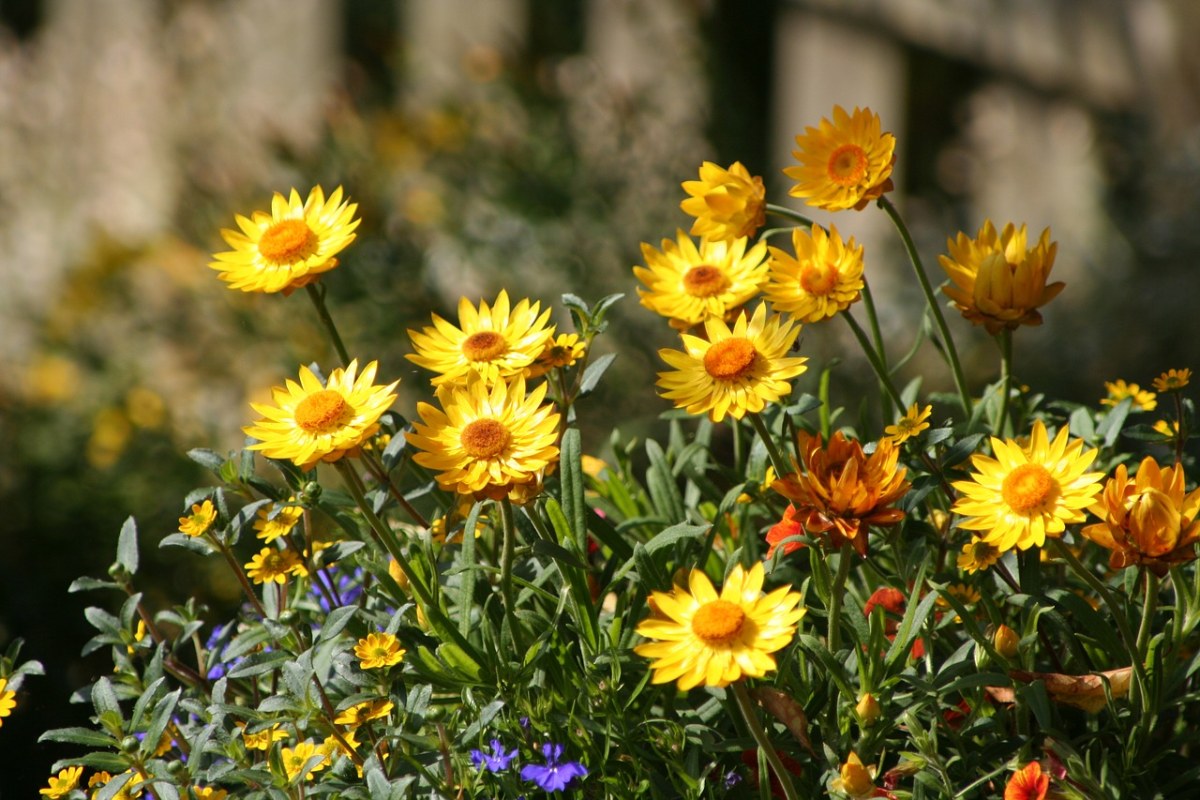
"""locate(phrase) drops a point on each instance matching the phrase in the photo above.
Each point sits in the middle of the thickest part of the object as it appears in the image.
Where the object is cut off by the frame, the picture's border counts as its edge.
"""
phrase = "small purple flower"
(732, 779)
(553, 776)
(498, 762)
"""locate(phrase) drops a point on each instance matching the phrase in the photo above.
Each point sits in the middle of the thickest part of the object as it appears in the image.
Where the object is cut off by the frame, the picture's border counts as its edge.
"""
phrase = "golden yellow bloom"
(1119, 390)
(8, 700)
(275, 520)
(291, 246)
(562, 351)
(868, 710)
(310, 422)
(486, 439)
(910, 425)
(494, 342)
(854, 778)
(364, 712)
(273, 564)
(1172, 380)
(200, 520)
(845, 163)
(296, 760)
(733, 371)
(263, 739)
(713, 640)
(824, 277)
(1149, 520)
(727, 203)
(689, 284)
(977, 555)
(379, 650)
(331, 744)
(1168, 428)
(63, 783)
(966, 595)
(209, 793)
(997, 280)
(1025, 494)
(838, 490)
(592, 466)
(1006, 641)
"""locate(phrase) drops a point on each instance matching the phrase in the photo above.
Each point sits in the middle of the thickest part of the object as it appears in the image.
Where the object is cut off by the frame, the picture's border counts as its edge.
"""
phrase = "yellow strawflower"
(854, 778)
(845, 163)
(727, 203)
(824, 277)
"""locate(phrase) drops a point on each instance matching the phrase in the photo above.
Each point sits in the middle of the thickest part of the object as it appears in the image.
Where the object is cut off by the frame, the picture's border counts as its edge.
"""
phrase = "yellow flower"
(379, 650)
(8, 700)
(713, 640)
(364, 712)
(209, 793)
(733, 371)
(854, 778)
(689, 284)
(494, 342)
(1172, 380)
(1149, 520)
(486, 439)
(1168, 428)
(868, 710)
(62, 784)
(977, 555)
(910, 425)
(1025, 494)
(727, 203)
(263, 739)
(296, 760)
(997, 280)
(825, 276)
(200, 520)
(291, 246)
(310, 422)
(130, 789)
(838, 490)
(1006, 641)
(275, 520)
(560, 352)
(966, 595)
(1119, 390)
(845, 163)
(273, 564)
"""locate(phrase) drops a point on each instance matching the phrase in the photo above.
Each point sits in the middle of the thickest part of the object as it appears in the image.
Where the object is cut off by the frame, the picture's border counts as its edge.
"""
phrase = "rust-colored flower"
(839, 490)
(1028, 783)
(1148, 520)
(787, 527)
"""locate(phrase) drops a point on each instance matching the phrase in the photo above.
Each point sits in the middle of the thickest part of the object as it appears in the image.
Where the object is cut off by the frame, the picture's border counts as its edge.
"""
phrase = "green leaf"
(337, 620)
(1110, 426)
(104, 700)
(127, 548)
(571, 470)
(158, 723)
(660, 481)
(86, 584)
(258, 664)
(209, 459)
(676, 533)
(593, 373)
(84, 736)
(962, 449)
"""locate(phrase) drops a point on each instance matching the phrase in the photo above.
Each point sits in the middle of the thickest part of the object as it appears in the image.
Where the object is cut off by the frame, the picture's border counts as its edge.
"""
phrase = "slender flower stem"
(885, 380)
(938, 318)
(784, 211)
(1006, 353)
(380, 474)
(876, 335)
(1149, 606)
(508, 523)
(316, 293)
(781, 465)
(746, 706)
(835, 598)
(241, 576)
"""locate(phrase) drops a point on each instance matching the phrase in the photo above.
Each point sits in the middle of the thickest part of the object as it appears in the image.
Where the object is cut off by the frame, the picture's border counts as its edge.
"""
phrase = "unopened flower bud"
(311, 493)
(1006, 641)
(868, 710)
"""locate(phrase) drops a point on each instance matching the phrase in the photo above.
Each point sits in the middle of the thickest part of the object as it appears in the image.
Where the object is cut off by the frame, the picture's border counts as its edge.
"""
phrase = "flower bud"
(1006, 641)
(868, 710)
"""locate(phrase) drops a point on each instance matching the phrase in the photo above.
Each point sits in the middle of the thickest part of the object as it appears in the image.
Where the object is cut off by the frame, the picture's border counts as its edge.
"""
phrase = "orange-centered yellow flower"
(291, 246)
(1024, 494)
(997, 280)
(1149, 520)
(486, 440)
(703, 638)
(689, 284)
(495, 342)
(838, 490)
(312, 422)
(562, 351)
(1119, 390)
(727, 203)
(845, 163)
(733, 370)
(824, 277)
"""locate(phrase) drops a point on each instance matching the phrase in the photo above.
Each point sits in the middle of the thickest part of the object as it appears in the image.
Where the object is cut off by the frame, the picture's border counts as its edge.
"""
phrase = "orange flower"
(1028, 783)
(786, 527)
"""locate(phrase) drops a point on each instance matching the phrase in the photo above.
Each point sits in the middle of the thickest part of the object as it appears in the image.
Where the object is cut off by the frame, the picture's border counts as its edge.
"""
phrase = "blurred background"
(528, 144)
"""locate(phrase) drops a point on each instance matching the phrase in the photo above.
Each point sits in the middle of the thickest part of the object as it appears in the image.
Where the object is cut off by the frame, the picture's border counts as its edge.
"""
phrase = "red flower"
(892, 601)
(750, 759)
(1028, 783)
(788, 526)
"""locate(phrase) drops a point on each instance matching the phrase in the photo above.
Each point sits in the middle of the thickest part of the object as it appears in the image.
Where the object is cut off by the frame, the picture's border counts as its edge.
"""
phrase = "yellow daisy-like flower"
(291, 246)
(824, 277)
(8, 700)
(997, 280)
(727, 203)
(854, 778)
(379, 650)
(1172, 380)
(200, 520)
(845, 163)
(277, 520)
(713, 640)
(273, 564)
(63, 783)
(364, 712)
(1119, 390)
(911, 424)
(733, 371)
(977, 555)
(558, 353)
(263, 739)
(1024, 494)
(296, 760)
(688, 283)
(311, 422)
(209, 793)
(495, 342)
(486, 439)
(1168, 428)
(966, 595)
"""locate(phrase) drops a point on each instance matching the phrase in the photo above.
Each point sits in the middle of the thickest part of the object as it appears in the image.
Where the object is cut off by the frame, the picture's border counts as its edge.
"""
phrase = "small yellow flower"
(275, 520)
(855, 779)
(558, 353)
(727, 203)
(273, 564)
(62, 784)
(379, 650)
(262, 739)
(593, 467)
(1119, 390)
(911, 424)
(139, 634)
(966, 595)
(977, 555)
(209, 793)
(1172, 380)
(824, 277)
(868, 710)
(845, 163)
(200, 520)
(1168, 428)
(364, 712)
(296, 760)
(8, 700)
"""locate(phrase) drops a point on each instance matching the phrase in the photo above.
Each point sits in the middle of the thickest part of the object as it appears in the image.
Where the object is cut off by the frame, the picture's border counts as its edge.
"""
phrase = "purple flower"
(493, 763)
(553, 776)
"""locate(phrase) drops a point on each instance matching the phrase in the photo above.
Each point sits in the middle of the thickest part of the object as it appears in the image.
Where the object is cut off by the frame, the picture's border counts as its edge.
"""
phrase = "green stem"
(316, 293)
(1006, 353)
(508, 524)
(885, 380)
(782, 466)
(784, 211)
(938, 318)
(877, 338)
(1149, 606)
(746, 706)
(835, 598)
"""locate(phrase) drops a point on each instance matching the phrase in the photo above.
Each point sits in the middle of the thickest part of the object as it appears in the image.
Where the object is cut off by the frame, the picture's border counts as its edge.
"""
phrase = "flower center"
(484, 438)
(704, 281)
(818, 281)
(322, 411)
(1029, 488)
(484, 346)
(730, 359)
(718, 622)
(847, 165)
(288, 241)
